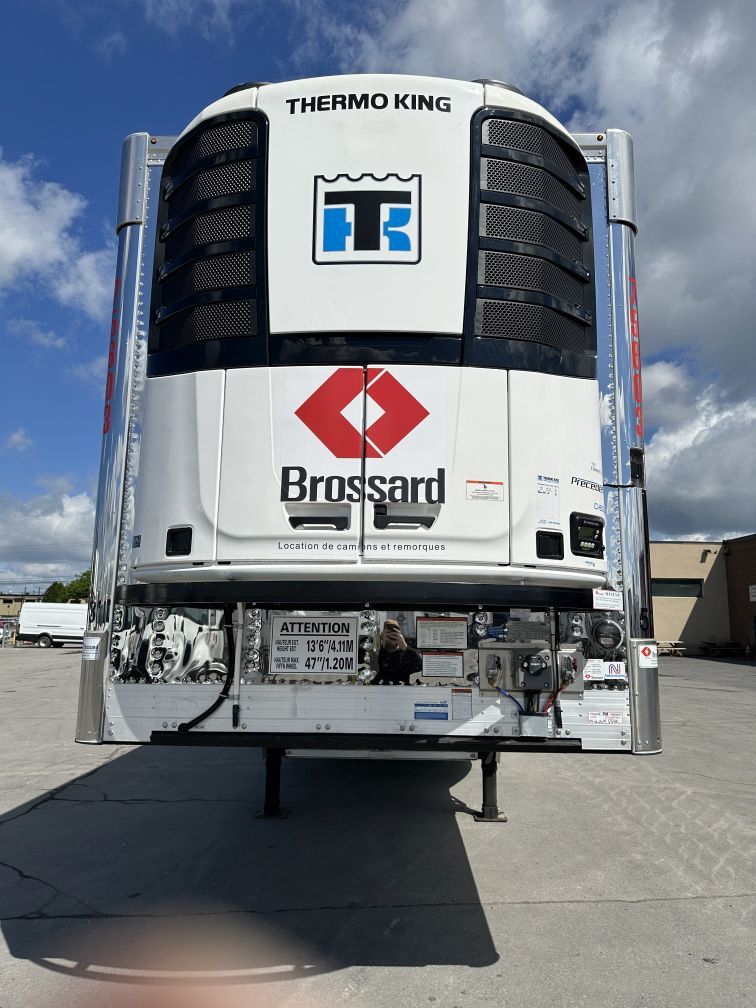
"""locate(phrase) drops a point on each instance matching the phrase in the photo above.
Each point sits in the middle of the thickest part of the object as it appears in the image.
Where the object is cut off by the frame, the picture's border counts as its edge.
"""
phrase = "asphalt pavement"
(618, 880)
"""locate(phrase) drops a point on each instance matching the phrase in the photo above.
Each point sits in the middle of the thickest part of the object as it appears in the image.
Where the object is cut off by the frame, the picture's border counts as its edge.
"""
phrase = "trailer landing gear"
(490, 808)
(272, 806)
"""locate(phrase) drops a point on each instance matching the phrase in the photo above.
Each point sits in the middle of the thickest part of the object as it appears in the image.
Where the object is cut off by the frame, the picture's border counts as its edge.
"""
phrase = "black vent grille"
(223, 180)
(218, 140)
(531, 302)
(507, 269)
(529, 226)
(525, 180)
(209, 272)
(532, 139)
(236, 269)
(236, 223)
(532, 323)
(217, 321)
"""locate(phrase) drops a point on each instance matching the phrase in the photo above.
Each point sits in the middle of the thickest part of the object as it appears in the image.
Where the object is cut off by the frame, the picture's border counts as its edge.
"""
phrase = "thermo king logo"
(368, 219)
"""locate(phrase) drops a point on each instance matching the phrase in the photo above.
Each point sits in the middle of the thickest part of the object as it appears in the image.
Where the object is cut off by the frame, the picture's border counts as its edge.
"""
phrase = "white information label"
(441, 632)
(525, 614)
(441, 664)
(614, 670)
(648, 656)
(752, 593)
(480, 490)
(90, 648)
(461, 704)
(593, 670)
(313, 645)
(605, 599)
(605, 717)
(547, 496)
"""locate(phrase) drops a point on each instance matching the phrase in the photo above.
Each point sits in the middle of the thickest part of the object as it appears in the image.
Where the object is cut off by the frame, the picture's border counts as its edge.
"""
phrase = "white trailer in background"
(374, 355)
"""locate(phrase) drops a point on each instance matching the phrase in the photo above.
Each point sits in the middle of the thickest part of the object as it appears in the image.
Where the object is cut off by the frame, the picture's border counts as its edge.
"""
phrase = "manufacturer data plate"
(441, 632)
(313, 645)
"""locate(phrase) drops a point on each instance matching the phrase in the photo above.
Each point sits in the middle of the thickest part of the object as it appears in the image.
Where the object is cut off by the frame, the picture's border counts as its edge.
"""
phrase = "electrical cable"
(509, 696)
(223, 695)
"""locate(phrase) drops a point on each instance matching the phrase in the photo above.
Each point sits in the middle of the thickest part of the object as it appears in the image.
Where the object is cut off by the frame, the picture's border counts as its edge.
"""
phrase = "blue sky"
(78, 76)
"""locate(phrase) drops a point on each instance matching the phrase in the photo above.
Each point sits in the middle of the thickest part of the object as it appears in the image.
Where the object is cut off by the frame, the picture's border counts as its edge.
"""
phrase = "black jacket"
(397, 666)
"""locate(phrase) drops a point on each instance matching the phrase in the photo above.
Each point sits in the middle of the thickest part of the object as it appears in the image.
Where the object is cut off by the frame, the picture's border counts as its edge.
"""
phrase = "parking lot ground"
(618, 880)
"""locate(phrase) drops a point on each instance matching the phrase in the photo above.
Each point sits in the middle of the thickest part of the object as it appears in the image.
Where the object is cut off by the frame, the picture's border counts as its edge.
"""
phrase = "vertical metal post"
(110, 491)
(490, 806)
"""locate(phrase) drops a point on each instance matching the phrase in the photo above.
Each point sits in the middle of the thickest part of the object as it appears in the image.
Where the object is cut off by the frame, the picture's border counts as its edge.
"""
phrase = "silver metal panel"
(599, 718)
(605, 372)
(131, 193)
(119, 454)
(628, 420)
(644, 697)
(619, 159)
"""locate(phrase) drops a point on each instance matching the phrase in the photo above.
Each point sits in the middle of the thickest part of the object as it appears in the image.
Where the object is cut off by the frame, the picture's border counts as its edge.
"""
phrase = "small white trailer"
(372, 475)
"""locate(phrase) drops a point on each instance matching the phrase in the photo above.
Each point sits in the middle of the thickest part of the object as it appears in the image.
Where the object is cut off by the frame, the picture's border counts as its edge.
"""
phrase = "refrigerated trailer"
(372, 473)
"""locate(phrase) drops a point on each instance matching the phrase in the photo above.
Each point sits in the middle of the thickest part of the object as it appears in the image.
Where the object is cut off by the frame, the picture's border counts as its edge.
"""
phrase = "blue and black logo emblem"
(368, 219)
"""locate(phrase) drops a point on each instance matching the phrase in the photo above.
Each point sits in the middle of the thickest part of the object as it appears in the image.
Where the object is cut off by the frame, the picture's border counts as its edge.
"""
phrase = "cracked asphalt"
(618, 880)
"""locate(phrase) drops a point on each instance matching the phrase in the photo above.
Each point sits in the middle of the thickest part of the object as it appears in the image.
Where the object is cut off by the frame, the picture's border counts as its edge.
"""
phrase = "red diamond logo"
(646, 651)
(323, 413)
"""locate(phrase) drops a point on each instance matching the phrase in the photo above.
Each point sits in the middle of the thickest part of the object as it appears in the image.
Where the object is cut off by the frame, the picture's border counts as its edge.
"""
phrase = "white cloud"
(701, 467)
(29, 331)
(40, 247)
(45, 538)
(210, 18)
(92, 371)
(18, 440)
(111, 45)
(680, 76)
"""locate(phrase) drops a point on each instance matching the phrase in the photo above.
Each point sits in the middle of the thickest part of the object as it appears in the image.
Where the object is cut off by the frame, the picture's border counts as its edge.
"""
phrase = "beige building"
(10, 603)
(740, 557)
(689, 590)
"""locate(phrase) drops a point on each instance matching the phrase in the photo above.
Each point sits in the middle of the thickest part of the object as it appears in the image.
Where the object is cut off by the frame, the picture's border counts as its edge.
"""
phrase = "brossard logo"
(323, 414)
(367, 219)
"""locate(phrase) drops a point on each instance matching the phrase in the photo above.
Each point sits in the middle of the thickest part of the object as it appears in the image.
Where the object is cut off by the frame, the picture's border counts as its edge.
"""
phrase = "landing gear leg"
(490, 808)
(272, 807)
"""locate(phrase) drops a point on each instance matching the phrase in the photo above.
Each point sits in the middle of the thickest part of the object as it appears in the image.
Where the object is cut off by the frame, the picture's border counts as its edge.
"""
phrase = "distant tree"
(79, 587)
(57, 592)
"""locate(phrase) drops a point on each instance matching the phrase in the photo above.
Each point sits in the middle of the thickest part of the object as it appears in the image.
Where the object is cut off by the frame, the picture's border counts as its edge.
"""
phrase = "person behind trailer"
(396, 661)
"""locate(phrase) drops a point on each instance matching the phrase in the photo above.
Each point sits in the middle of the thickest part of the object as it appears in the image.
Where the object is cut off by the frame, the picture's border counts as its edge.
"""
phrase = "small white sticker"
(605, 717)
(441, 632)
(483, 490)
(593, 670)
(605, 599)
(90, 648)
(648, 656)
(441, 664)
(461, 704)
(752, 593)
(547, 497)
(525, 614)
(614, 670)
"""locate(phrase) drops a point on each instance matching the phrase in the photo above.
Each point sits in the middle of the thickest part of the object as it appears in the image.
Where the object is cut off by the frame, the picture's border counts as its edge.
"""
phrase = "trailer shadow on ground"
(156, 861)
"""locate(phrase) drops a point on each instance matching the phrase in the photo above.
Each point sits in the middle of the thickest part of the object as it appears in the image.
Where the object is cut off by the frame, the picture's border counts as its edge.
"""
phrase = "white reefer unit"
(374, 372)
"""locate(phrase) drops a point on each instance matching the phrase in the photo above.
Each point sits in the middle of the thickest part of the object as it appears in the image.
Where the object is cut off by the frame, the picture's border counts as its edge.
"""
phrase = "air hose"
(223, 695)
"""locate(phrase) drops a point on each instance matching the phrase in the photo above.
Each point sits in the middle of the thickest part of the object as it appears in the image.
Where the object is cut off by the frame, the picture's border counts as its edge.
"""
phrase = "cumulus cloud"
(18, 440)
(40, 246)
(31, 332)
(680, 76)
(210, 18)
(47, 537)
(702, 468)
(111, 45)
(93, 372)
